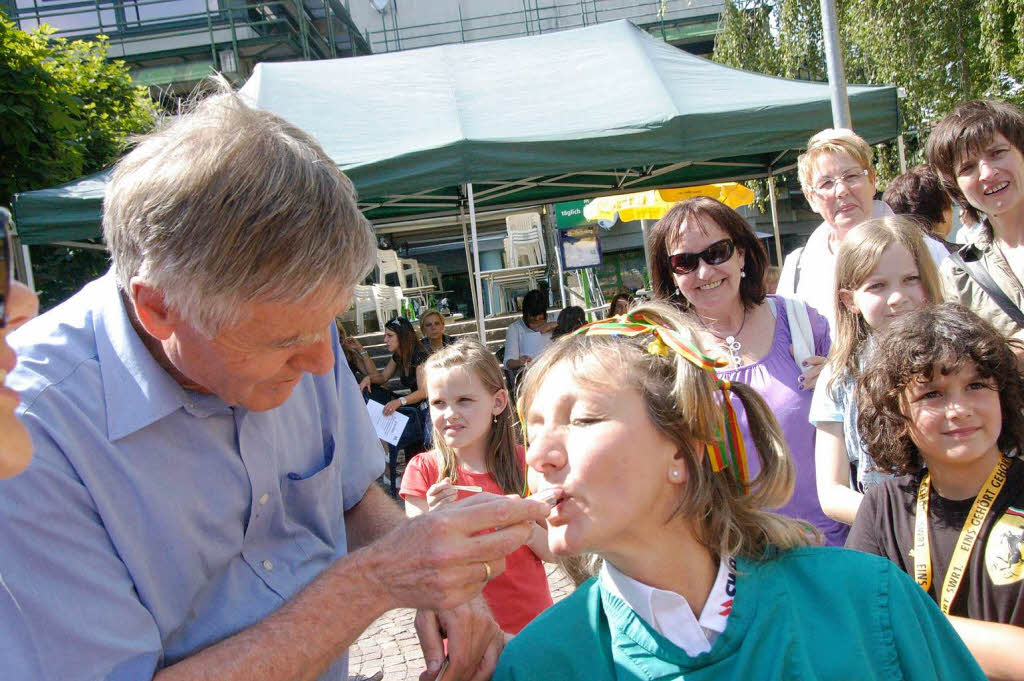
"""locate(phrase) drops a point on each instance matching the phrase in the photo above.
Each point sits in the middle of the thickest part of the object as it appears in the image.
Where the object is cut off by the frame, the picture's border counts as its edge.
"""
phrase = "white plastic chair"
(363, 302)
(388, 300)
(429, 274)
(528, 245)
(410, 268)
(387, 263)
(522, 222)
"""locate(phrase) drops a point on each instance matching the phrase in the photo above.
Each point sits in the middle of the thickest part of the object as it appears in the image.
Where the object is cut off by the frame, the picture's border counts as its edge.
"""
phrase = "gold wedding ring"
(487, 577)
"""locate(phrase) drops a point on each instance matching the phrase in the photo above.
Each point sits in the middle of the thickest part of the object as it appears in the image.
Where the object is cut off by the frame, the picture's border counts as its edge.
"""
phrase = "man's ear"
(151, 309)
(846, 296)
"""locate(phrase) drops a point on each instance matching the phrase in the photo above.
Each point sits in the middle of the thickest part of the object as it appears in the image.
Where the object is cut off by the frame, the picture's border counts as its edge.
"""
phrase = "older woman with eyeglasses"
(706, 258)
(838, 181)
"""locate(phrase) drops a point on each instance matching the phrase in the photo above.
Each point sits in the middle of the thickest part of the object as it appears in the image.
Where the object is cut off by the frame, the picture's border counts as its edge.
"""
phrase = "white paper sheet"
(389, 428)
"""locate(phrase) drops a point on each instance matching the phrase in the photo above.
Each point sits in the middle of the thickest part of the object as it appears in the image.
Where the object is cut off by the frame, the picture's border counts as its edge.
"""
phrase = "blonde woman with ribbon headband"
(629, 426)
(941, 403)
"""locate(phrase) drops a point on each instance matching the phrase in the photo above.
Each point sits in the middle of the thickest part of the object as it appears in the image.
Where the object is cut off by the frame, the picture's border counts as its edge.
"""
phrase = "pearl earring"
(743, 274)
(675, 474)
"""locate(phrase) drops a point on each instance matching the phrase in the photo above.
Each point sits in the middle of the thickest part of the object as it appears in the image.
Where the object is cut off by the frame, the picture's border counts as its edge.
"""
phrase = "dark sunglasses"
(715, 254)
(6, 263)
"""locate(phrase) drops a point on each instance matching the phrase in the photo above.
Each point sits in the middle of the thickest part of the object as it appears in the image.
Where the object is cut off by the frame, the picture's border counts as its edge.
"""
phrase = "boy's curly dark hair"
(939, 336)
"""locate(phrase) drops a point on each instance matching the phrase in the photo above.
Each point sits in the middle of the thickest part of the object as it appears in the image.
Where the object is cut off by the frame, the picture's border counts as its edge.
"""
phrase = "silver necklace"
(731, 342)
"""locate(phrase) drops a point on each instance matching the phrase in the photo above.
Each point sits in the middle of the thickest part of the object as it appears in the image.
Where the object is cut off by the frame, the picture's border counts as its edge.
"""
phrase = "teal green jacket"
(808, 613)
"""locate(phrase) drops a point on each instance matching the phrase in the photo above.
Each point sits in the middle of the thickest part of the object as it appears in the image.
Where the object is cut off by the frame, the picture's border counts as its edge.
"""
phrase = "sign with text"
(570, 214)
(581, 247)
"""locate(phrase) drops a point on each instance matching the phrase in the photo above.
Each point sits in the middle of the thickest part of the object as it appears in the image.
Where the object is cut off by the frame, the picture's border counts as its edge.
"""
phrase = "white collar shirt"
(668, 613)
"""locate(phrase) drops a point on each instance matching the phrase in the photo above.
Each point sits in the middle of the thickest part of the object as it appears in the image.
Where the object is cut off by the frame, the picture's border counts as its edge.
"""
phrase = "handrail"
(535, 19)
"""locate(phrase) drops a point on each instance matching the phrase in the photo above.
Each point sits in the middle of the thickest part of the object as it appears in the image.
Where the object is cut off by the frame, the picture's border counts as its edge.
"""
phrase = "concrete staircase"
(494, 326)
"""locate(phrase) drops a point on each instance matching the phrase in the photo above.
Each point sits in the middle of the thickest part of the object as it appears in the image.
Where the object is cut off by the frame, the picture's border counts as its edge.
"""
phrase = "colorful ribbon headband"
(728, 439)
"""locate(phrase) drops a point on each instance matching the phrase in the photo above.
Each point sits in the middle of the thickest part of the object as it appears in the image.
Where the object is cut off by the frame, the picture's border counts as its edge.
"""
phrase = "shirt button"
(264, 498)
(268, 565)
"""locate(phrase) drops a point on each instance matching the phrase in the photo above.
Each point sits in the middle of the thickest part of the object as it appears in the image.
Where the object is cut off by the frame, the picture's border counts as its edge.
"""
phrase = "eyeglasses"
(715, 254)
(6, 262)
(854, 178)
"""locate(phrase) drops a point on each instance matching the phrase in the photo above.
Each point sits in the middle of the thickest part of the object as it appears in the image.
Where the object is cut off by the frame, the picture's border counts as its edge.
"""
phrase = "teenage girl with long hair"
(883, 270)
(407, 357)
(476, 451)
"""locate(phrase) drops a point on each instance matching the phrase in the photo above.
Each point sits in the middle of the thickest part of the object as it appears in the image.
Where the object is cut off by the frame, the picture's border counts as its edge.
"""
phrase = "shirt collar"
(670, 614)
(136, 390)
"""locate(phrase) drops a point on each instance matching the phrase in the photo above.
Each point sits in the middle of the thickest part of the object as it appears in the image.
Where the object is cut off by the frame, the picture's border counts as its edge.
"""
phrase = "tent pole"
(902, 148)
(775, 218)
(558, 261)
(469, 257)
(480, 325)
(647, 255)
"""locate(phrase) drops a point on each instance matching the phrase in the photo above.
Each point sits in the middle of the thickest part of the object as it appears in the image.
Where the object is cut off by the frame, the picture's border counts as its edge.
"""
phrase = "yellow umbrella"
(653, 204)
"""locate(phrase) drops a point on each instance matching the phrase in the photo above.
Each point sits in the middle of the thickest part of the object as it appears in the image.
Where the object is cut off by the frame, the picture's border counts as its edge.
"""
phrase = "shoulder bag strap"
(800, 331)
(796, 273)
(982, 278)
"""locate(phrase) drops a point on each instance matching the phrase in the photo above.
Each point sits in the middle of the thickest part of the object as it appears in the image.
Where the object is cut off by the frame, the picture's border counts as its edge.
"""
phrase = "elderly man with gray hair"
(202, 500)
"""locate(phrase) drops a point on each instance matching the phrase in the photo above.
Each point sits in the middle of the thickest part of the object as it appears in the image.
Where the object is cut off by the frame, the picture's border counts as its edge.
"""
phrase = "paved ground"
(390, 644)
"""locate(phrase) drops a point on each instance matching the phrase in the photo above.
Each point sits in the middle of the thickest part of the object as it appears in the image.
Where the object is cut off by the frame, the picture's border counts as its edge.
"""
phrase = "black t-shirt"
(993, 589)
(419, 356)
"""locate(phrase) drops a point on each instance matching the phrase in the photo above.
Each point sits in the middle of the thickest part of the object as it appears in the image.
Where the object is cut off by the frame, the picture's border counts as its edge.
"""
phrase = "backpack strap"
(982, 278)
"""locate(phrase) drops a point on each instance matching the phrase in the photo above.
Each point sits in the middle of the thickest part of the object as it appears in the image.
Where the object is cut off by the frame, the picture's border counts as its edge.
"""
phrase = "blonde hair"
(431, 312)
(501, 457)
(832, 141)
(857, 258)
(683, 403)
(229, 204)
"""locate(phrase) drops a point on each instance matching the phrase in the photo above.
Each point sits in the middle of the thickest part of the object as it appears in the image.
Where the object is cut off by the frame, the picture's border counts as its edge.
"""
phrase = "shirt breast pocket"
(313, 505)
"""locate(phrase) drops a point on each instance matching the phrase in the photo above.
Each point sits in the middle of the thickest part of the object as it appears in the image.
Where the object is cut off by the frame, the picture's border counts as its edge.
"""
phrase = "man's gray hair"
(229, 204)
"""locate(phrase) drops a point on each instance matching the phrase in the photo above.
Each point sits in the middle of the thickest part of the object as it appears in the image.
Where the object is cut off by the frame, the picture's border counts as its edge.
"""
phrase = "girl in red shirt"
(476, 451)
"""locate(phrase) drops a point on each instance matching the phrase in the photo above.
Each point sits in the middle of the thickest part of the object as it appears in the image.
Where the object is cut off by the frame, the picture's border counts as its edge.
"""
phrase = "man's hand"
(436, 561)
(474, 641)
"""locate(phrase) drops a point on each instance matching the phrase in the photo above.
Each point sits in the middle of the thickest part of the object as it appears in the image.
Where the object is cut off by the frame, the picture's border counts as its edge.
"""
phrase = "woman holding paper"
(407, 356)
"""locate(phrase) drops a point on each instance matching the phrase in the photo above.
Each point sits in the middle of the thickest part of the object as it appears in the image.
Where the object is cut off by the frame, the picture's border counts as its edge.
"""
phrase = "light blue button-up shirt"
(155, 521)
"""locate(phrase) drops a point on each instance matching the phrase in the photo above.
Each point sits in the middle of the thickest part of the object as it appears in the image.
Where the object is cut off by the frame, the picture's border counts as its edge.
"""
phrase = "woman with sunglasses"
(706, 259)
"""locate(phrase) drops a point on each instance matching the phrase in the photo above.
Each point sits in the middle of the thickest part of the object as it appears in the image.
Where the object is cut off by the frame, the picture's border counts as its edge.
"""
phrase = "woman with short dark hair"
(707, 259)
(569, 319)
(978, 152)
(919, 194)
(526, 337)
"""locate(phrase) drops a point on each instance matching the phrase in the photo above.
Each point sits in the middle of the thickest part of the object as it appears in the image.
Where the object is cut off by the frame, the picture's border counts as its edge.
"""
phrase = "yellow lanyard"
(964, 544)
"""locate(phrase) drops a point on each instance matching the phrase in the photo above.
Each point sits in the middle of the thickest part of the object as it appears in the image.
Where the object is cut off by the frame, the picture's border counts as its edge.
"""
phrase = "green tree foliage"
(65, 111)
(940, 51)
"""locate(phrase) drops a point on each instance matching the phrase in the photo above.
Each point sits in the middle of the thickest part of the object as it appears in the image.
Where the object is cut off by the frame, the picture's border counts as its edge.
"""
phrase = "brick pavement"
(390, 643)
